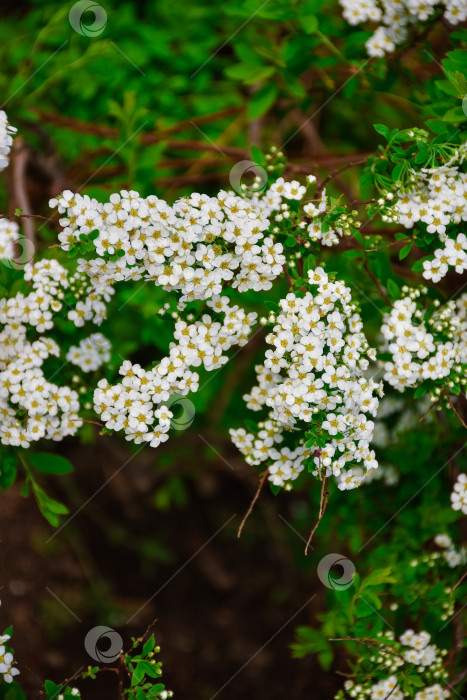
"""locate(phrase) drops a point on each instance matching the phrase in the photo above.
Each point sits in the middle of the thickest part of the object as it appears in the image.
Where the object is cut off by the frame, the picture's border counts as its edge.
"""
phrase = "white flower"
(6, 139)
(459, 494)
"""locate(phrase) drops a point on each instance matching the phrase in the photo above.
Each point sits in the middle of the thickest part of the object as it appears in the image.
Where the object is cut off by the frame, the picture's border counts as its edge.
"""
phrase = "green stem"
(332, 47)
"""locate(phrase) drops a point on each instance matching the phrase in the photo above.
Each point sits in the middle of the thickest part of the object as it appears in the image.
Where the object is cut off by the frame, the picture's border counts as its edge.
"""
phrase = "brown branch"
(427, 412)
(203, 119)
(459, 582)
(370, 643)
(321, 160)
(383, 294)
(337, 172)
(454, 408)
(324, 497)
(458, 677)
(287, 275)
(252, 504)
(20, 194)
(308, 130)
(111, 132)
(389, 245)
(83, 420)
(323, 500)
(195, 146)
(27, 216)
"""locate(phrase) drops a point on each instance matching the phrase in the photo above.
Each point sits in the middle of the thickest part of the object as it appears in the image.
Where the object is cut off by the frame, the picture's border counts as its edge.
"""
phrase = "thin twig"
(252, 504)
(20, 194)
(455, 409)
(459, 582)
(337, 172)
(458, 677)
(323, 501)
(27, 216)
(83, 420)
(369, 642)
(383, 295)
(389, 245)
(427, 412)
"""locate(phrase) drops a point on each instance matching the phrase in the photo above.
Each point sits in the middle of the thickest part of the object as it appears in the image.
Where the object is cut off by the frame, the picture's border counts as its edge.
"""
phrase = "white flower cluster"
(91, 352)
(313, 379)
(276, 202)
(7, 670)
(195, 247)
(459, 494)
(8, 236)
(410, 649)
(6, 139)
(438, 198)
(317, 230)
(389, 688)
(31, 406)
(421, 653)
(449, 553)
(85, 303)
(396, 17)
(425, 345)
(454, 254)
(140, 404)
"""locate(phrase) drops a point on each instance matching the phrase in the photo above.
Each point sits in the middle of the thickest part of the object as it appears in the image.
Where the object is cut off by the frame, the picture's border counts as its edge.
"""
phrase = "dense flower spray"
(313, 383)
(396, 17)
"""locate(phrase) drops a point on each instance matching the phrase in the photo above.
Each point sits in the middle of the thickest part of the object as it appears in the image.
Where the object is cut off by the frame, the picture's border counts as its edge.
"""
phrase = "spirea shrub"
(339, 301)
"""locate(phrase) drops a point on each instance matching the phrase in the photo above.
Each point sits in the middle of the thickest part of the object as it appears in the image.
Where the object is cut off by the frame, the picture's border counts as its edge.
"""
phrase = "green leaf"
(421, 391)
(362, 608)
(455, 115)
(52, 690)
(403, 253)
(309, 23)
(311, 641)
(397, 171)
(50, 463)
(257, 155)
(262, 100)
(149, 645)
(393, 289)
(49, 508)
(293, 84)
(416, 681)
(8, 469)
(418, 266)
(382, 129)
(138, 673)
(151, 669)
(378, 577)
(249, 73)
